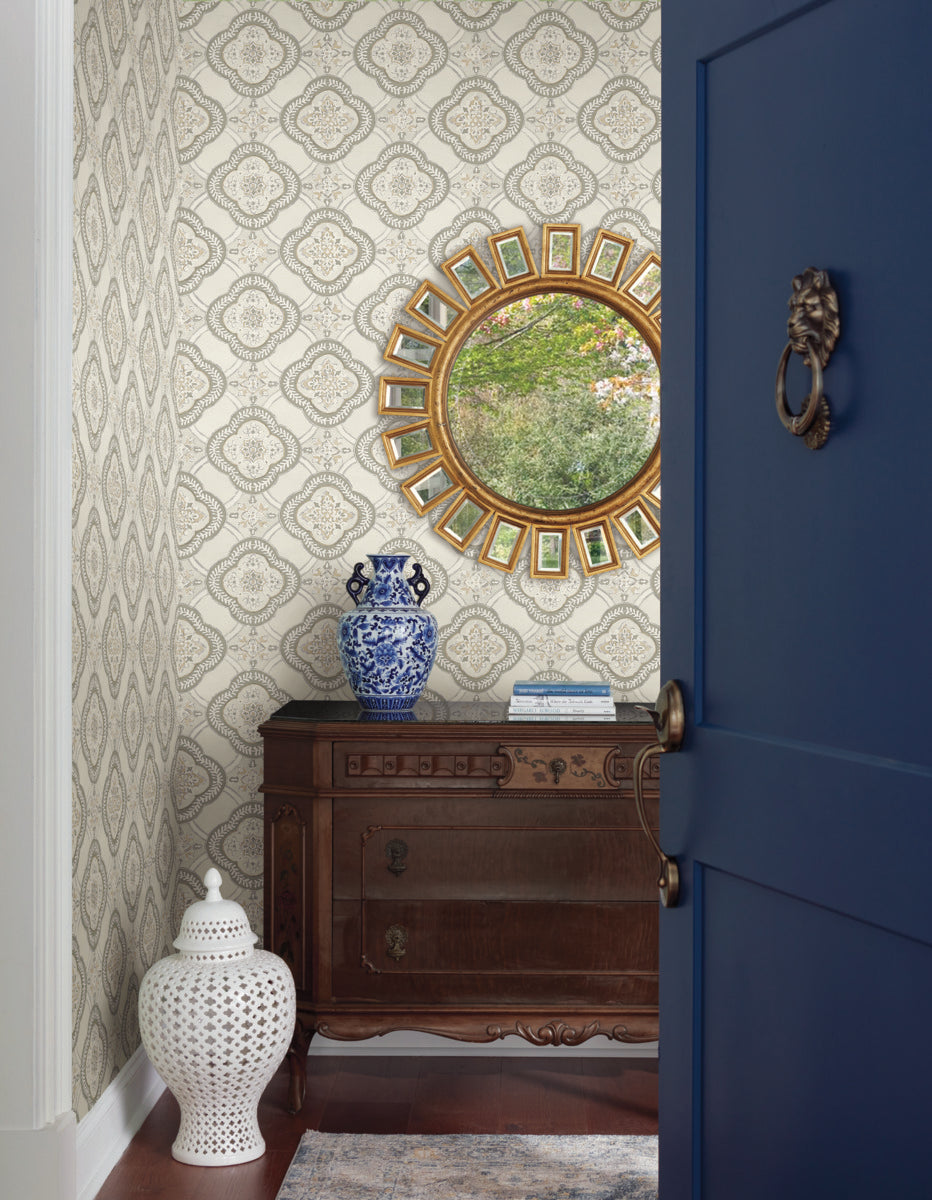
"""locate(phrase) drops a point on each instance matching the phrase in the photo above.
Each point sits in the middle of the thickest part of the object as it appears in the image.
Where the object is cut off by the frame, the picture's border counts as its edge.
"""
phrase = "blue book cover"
(531, 687)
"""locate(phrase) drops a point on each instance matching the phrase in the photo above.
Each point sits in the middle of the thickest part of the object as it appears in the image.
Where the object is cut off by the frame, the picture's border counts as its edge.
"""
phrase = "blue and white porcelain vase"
(388, 643)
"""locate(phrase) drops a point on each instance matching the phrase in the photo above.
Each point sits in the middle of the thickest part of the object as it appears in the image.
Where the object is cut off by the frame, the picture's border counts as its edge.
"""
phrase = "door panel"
(796, 974)
(847, 831)
(781, 125)
(804, 986)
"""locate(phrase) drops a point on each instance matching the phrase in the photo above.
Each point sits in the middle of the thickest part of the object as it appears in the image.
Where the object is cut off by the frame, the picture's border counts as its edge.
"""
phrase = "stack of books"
(585, 701)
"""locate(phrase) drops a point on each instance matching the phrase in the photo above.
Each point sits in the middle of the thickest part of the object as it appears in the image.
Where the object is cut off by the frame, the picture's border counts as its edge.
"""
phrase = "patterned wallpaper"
(236, 277)
(333, 155)
(125, 833)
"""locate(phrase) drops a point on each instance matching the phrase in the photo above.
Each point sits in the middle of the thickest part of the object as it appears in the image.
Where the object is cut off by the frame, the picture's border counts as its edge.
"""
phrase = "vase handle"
(356, 582)
(419, 582)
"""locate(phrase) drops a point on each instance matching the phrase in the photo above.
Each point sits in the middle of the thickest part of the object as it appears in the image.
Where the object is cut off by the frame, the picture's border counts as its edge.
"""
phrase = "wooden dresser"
(460, 873)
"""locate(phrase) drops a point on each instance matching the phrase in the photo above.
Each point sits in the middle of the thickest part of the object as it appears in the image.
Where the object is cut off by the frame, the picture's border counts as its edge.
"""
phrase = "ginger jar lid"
(215, 928)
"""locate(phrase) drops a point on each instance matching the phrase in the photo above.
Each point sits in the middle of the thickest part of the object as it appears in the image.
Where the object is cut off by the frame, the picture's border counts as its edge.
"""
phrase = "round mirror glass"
(554, 401)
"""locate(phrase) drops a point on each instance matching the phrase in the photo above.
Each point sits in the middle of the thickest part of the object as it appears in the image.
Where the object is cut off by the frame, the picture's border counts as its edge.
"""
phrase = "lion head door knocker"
(813, 327)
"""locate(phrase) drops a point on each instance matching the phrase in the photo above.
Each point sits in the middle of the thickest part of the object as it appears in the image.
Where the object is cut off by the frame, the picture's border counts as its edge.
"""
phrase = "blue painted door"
(796, 973)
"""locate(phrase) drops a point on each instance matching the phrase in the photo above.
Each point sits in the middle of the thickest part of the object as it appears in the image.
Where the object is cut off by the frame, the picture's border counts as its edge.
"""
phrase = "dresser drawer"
(512, 766)
(390, 764)
(532, 766)
(503, 863)
(606, 953)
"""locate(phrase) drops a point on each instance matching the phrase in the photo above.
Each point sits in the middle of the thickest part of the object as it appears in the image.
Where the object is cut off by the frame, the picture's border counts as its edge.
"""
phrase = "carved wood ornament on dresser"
(468, 877)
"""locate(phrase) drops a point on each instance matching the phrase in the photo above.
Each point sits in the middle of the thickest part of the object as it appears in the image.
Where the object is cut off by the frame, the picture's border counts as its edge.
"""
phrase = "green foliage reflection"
(554, 401)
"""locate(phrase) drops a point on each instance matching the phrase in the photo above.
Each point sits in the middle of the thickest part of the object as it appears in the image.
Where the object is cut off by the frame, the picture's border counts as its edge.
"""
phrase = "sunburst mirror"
(530, 406)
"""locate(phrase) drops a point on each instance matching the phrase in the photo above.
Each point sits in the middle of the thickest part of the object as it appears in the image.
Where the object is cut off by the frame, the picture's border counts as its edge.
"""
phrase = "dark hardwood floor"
(399, 1095)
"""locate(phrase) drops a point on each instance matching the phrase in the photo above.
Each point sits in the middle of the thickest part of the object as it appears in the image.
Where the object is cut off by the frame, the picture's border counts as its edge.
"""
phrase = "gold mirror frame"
(425, 442)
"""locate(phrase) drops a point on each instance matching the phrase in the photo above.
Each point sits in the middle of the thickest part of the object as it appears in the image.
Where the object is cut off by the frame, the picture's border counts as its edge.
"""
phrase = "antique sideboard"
(460, 873)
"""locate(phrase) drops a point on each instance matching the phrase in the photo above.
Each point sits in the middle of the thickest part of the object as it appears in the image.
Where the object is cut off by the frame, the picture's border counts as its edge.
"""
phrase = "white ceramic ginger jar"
(216, 1021)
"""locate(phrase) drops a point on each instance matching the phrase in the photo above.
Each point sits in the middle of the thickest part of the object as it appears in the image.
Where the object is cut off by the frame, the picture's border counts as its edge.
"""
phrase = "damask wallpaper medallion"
(259, 189)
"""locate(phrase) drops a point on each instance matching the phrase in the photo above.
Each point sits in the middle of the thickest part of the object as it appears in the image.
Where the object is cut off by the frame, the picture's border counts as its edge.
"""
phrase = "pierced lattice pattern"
(215, 930)
(216, 1031)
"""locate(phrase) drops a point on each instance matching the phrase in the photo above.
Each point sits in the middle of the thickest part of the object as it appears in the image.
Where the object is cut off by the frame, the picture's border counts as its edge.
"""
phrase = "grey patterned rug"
(352, 1166)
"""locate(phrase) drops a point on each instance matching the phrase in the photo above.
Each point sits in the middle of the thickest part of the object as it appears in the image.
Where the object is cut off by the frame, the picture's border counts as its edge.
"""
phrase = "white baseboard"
(108, 1128)
(513, 1046)
(39, 1164)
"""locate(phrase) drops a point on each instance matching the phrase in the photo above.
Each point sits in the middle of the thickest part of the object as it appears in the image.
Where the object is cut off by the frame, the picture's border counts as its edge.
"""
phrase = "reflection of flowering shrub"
(554, 401)
(513, 317)
(616, 344)
(561, 252)
(648, 284)
(635, 376)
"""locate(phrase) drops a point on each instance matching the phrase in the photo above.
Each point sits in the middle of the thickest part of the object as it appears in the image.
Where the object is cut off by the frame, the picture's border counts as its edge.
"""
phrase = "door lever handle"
(669, 718)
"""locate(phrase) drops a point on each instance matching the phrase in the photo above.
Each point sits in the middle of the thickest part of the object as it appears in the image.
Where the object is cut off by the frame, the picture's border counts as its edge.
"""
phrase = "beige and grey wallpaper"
(125, 572)
(238, 264)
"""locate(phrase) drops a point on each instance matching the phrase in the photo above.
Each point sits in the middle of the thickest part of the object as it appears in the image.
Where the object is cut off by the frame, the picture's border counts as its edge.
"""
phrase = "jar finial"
(212, 881)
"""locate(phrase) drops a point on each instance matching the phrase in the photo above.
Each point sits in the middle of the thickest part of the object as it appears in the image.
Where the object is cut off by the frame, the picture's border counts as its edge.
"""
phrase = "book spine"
(552, 716)
(528, 688)
(605, 702)
(560, 717)
(556, 709)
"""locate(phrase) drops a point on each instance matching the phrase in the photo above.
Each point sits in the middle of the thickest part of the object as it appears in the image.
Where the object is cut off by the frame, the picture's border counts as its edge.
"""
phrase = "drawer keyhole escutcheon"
(556, 766)
(396, 942)
(396, 851)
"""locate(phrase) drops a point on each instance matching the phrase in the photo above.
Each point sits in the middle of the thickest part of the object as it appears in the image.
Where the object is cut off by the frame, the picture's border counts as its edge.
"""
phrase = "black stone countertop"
(448, 712)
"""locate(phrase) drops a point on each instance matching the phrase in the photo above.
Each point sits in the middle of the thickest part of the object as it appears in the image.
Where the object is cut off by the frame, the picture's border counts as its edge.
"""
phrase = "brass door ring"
(814, 422)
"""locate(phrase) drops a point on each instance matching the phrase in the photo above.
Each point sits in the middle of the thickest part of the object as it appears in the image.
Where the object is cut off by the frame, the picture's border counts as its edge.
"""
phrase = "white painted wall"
(37, 1128)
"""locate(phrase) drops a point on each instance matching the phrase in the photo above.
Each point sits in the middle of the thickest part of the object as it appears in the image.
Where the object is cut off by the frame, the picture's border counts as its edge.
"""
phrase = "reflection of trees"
(554, 401)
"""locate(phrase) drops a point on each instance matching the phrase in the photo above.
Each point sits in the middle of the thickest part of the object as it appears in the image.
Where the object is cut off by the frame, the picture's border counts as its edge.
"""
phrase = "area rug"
(350, 1166)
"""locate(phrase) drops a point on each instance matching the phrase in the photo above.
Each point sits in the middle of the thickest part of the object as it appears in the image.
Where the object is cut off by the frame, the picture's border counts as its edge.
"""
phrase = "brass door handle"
(669, 718)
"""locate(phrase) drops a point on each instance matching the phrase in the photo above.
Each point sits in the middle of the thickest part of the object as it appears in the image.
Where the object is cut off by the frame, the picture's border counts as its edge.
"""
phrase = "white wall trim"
(37, 1125)
(410, 1043)
(52, 622)
(39, 1164)
(109, 1127)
